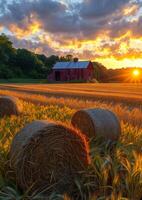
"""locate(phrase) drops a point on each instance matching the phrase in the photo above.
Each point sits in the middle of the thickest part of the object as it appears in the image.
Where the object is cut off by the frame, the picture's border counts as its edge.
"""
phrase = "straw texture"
(97, 122)
(46, 154)
(9, 106)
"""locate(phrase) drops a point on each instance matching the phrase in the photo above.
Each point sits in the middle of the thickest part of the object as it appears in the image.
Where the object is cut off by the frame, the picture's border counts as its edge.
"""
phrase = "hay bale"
(9, 106)
(44, 154)
(97, 122)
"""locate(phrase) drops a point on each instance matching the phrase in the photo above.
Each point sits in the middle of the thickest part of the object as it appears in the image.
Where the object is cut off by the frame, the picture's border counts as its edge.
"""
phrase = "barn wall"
(70, 74)
(73, 74)
(88, 72)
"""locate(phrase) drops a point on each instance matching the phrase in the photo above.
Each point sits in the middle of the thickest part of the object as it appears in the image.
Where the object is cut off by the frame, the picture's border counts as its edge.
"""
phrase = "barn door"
(57, 76)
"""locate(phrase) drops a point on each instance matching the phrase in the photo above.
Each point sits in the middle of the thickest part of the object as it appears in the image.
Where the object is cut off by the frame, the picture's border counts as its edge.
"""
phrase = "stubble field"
(58, 102)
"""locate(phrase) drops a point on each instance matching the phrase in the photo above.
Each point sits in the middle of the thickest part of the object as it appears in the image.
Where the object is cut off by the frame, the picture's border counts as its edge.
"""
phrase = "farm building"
(74, 70)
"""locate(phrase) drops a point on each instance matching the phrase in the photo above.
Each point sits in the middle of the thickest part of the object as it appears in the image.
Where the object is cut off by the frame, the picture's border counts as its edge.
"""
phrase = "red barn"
(75, 70)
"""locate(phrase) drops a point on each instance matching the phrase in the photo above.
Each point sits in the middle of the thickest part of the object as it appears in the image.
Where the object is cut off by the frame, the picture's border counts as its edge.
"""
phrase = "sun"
(136, 72)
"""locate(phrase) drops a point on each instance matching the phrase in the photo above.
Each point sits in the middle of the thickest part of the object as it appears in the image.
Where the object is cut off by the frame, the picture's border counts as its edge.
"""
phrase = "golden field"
(59, 102)
(129, 93)
(123, 99)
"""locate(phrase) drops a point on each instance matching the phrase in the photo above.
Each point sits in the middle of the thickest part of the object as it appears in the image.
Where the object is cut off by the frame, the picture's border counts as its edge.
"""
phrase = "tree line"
(22, 63)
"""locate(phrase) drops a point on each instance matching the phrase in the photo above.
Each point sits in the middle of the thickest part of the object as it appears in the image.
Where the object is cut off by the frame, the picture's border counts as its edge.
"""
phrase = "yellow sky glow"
(130, 10)
(110, 56)
(113, 63)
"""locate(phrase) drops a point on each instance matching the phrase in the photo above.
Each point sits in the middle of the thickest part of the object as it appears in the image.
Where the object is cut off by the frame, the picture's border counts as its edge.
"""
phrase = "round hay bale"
(9, 106)
(97, 122)
(44, 154)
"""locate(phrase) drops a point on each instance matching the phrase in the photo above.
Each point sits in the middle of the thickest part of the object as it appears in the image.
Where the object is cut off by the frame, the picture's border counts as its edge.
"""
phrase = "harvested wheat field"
(110, 170)
(118, 92)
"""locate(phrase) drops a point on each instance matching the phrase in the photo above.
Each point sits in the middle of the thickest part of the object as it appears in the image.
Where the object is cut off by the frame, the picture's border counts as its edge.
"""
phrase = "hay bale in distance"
(97, 122)
(9, 106)
(43, 154)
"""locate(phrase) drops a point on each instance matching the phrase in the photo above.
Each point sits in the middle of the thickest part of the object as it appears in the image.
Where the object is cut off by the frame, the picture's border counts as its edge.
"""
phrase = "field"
(59, 102)
(128, 93)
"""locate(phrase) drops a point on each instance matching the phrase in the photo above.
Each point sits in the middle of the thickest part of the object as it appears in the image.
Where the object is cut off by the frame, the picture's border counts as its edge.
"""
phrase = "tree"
(100, 72)
(7, 57)
(75, 59)
(69, 57)
(66, 58)
(7, 52)
(5, 72)
(48, 62)
(28, 62)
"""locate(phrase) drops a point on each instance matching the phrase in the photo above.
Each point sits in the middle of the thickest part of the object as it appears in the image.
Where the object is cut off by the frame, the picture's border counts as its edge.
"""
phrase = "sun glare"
(136, 72)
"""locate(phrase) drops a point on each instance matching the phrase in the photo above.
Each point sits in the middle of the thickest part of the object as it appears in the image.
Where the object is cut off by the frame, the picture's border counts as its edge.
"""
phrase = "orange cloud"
(94, 32)
(102, 46)
(130, 10)
(28, 28)
(20, 33)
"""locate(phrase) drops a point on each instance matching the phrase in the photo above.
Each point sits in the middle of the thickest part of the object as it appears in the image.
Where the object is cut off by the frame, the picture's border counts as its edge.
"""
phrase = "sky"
(106, 31)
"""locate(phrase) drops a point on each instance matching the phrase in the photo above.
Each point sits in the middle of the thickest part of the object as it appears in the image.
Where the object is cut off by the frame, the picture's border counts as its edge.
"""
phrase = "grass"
(114, 173)
(23, 80)
(124, 93)
(133, 115)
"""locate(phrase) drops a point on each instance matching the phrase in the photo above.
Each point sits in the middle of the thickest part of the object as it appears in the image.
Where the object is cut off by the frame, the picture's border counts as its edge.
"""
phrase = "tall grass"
(114, 173)
(128, 114)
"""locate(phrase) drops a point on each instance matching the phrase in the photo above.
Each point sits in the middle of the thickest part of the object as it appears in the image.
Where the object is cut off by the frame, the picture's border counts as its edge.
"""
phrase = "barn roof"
(71, 65)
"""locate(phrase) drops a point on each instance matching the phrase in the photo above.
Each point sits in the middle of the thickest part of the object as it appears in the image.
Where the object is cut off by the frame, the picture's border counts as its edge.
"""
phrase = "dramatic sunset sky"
(108, 31)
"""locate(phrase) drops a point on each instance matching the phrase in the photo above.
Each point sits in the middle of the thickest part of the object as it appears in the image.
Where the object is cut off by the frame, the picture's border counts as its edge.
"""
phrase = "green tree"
(7, 57)
(48, 62)
(5, 72)
(28, 62)
(7, 52)
(66, 58)
(69, 57)
(100, 72)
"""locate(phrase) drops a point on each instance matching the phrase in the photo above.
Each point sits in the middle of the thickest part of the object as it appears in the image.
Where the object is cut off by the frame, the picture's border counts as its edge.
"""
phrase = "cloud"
(34, 46)
(88, 28)
(51, 15)
(103, 8)
(86, 18)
